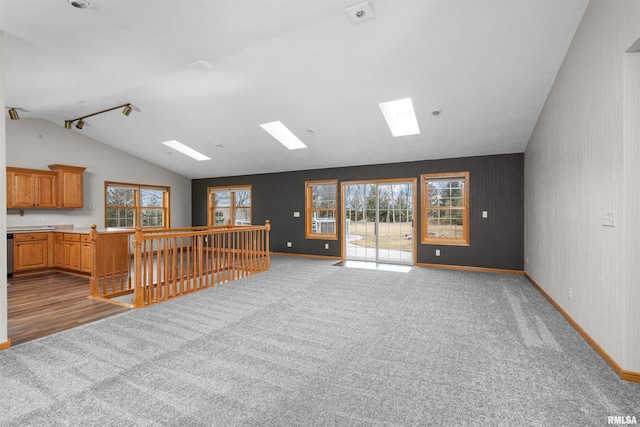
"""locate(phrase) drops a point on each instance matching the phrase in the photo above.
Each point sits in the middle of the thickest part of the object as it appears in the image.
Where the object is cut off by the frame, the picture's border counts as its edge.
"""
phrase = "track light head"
(13, 114)
(79, 121)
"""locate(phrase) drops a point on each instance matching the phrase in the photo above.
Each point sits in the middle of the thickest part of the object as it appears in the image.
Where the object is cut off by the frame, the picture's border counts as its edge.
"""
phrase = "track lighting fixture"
(13, 114)
(80, 120)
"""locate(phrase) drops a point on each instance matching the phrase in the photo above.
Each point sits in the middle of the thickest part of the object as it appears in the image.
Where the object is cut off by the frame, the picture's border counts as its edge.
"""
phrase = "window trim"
(308, 200)
(425, 208)
(211, 203)
(137, 207)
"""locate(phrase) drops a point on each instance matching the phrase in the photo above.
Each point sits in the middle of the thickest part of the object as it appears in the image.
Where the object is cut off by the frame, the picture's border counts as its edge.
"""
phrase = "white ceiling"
(487, 64)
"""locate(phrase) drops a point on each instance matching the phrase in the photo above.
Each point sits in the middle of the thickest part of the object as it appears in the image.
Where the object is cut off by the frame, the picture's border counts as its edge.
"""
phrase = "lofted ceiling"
(208, 73)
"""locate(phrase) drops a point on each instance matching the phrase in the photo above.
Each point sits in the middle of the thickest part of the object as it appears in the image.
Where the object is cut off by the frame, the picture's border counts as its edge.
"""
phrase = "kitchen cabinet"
(30, 188)
(59, 187)
(71, 251)
(70, 186)
(31, 251)
(86, 254)
(58, 250)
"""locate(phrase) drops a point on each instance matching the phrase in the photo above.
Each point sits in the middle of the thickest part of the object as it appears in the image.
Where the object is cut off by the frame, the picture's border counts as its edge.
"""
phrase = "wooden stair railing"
(173, 262)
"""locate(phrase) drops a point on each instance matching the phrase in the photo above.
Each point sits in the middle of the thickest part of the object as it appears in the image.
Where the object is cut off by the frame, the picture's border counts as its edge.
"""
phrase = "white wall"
(576, 168)
(36, 143)
(3, 202)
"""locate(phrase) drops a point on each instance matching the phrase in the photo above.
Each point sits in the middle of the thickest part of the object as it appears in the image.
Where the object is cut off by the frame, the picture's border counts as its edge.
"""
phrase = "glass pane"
(151, 197)
(243, 198)
(445, 224)
(221, 216)
(323, 196)
(242, 216)
(446, 193)
(152, 217)
(120, 218)
(222, 198)
(323, 222)
(119, 196)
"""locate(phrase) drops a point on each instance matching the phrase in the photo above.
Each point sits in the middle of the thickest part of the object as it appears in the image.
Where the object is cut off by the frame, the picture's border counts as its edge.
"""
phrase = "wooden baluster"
(137, 268)
(266, 242)
(93, 281)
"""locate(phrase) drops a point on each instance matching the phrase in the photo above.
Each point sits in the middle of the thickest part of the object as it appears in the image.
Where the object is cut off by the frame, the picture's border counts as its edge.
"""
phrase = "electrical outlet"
(570, 293)
(326, 246)
(289, 244)
(485, 214)
(437, 252)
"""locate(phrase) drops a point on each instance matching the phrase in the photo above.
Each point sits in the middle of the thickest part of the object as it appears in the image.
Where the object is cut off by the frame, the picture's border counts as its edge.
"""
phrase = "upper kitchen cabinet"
(69, 185)
(60, 187)
(30, 188)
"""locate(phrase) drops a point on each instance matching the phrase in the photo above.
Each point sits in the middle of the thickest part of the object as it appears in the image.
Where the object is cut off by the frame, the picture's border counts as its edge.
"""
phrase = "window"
(320, 203)
(229, 205)
(445, 208)
(132, 205)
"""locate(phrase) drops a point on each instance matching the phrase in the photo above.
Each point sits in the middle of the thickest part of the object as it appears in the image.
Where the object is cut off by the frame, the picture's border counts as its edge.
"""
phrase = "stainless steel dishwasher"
(10, 255)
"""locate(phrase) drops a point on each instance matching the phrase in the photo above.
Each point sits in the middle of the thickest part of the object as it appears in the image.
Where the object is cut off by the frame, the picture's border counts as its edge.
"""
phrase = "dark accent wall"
(496, 185)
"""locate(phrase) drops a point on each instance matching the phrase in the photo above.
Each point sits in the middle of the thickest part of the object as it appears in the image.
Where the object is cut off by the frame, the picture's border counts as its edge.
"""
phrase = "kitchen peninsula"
(67, 249)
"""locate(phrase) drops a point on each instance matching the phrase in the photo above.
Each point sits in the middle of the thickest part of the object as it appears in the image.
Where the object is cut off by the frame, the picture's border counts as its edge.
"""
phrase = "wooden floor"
(43, 304)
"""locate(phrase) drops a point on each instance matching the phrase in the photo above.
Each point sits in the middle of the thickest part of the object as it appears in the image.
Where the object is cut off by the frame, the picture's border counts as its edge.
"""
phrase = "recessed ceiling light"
(188, 151)
(283, 135)
(400, 117)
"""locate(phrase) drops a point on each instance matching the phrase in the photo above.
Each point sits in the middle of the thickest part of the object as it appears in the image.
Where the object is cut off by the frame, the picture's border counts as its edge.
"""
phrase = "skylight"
(178, 146)
(400, 117)
(283, 135)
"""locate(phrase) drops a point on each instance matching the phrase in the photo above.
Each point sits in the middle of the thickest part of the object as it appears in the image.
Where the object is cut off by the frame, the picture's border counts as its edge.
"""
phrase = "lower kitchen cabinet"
(86, 253)
(31, 251)
(58, 250)
(72, 251)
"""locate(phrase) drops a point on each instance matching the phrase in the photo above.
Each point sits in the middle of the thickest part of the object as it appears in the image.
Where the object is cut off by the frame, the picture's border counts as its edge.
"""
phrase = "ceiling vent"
(360, 12)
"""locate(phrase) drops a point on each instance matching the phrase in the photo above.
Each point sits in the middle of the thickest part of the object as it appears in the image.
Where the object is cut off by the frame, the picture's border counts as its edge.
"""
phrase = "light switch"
(485, 214)
(609, 219)
(296, 214)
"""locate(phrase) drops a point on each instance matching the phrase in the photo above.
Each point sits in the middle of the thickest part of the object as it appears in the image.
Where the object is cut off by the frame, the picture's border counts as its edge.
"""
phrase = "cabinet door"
(86, 254)
(71, 189)
(70, 185)
(20, 190)
(58, 251)
(46, 190)
(72, 255)
(31, 251)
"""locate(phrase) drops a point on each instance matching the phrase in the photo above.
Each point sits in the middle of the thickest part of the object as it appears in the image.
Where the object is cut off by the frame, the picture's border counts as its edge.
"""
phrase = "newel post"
(138, 295)
(267, 226)
(93, 281)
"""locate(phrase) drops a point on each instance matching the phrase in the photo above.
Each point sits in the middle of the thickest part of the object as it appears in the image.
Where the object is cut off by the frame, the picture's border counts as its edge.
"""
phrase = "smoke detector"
(80, 4)
(360, 12)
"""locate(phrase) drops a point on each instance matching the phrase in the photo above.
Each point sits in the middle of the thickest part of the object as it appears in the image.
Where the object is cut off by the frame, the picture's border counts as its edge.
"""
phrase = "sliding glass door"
(378, 223)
